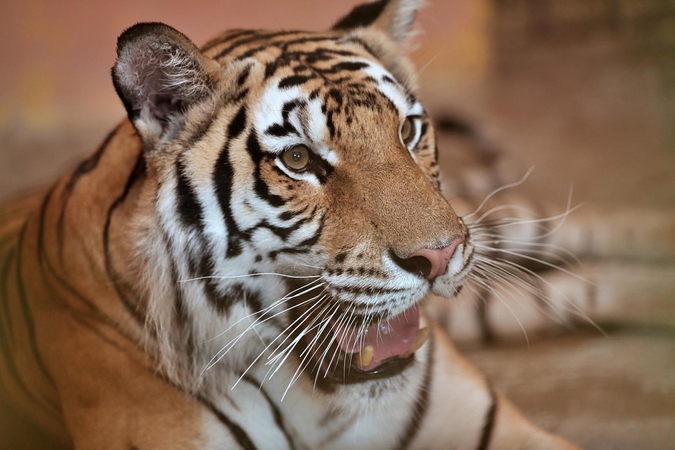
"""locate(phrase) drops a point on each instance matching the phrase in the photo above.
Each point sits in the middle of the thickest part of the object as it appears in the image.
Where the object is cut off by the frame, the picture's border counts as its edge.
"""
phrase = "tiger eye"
(297, 158)
(407, 130)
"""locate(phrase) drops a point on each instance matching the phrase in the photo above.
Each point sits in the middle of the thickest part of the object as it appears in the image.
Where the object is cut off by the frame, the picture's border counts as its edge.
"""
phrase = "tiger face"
(303, 155)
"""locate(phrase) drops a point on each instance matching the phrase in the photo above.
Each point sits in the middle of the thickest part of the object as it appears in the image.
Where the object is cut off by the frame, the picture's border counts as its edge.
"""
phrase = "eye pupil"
(407, 131)
(296, 158)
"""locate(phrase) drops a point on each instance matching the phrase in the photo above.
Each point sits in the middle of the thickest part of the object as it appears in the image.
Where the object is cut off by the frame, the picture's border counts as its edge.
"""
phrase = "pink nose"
(438, 258)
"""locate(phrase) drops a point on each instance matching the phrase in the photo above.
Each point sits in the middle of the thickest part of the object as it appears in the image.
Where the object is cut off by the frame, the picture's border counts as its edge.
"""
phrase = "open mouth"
(367, 352)
(396, 337)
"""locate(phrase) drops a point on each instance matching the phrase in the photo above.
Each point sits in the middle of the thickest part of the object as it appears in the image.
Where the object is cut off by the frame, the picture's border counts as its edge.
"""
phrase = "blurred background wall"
(56, 96)
(57, 55)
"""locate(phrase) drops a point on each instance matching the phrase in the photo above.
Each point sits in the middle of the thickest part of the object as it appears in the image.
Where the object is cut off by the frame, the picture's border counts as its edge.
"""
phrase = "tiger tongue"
(392, 337)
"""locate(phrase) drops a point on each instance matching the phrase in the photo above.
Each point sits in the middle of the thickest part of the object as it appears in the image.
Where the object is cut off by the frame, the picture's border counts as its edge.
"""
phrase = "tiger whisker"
(564, 219)
(503, 208)
(307, 358)
(295, 325)
(225, 349)
(525, 251)
(513, 221)
(270, 344)
(295, 342)
(577, 310)
(537, 260)
(507, 278)
(489, 288)
(289, 296)
(272, 359)
(498, 239)
(233, 277)
(344, 323)
(500, 189)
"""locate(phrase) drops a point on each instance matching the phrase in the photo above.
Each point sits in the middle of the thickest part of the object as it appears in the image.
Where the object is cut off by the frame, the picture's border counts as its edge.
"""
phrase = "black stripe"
(285, 45)
(223, 177)
(188, 207)
(43, 257)
(238, 432)
(201, 128)
(278, 130)
(243, 76)
(25, 309)
(182, 313)
(13, 372)
(281, 130)
(482, 315)
(47, 269)
(115, 279)
(362, 44)
(233, 294)
(220, 41)
(309, 242)
(281, 232)
(290, 214)
(294, 80)
(180, 308)
(261, 188)
(249, 40)
(84, 168)
(238, 124)
(489, 425)
(304, 246)
(361, 16)
(310, 57)
(4, 294)
(422, 402)
(278, 419)
(346, 66)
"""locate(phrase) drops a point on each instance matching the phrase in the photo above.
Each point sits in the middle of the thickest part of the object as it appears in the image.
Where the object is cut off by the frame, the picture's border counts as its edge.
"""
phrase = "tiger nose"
(437, 260)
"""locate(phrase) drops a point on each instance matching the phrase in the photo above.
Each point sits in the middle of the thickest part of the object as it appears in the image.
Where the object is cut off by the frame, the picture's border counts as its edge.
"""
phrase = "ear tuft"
(159, 74)
(393, 17)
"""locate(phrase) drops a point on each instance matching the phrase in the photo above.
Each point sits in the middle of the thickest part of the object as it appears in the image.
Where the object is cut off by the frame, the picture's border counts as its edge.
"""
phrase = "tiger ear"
(159, 74)
(395, 18)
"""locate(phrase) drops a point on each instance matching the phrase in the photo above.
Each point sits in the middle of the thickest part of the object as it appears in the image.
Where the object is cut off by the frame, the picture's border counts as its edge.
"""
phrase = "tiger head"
(305, 155)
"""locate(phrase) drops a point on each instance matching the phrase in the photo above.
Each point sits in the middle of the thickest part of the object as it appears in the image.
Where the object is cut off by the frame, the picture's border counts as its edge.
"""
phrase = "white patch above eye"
(269, 111)
(308, 119)
(416, 109)
(394, 91)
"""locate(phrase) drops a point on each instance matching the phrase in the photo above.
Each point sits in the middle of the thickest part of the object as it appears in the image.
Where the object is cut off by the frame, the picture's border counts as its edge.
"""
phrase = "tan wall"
(56, 55)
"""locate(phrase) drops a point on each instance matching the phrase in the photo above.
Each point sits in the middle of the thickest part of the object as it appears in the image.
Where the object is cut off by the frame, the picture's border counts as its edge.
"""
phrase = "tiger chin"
(243, 261)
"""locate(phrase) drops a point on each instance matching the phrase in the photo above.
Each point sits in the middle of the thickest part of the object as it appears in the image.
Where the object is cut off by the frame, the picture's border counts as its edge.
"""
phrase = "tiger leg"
(465, 410)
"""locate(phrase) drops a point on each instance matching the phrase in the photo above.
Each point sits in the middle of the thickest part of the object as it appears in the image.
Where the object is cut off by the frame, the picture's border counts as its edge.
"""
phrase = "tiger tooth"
(366, 356)
(422, 336)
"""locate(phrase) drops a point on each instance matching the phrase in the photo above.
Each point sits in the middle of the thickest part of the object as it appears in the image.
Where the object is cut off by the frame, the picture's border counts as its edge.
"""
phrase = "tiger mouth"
(357, 354)
(396, 337)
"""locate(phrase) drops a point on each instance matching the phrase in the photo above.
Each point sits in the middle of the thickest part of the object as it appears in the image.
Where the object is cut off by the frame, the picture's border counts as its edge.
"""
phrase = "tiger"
(242, 263)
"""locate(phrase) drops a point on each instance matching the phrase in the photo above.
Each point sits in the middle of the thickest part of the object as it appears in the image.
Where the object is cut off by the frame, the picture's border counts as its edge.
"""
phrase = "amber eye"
(408, 130)
(297, 158)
